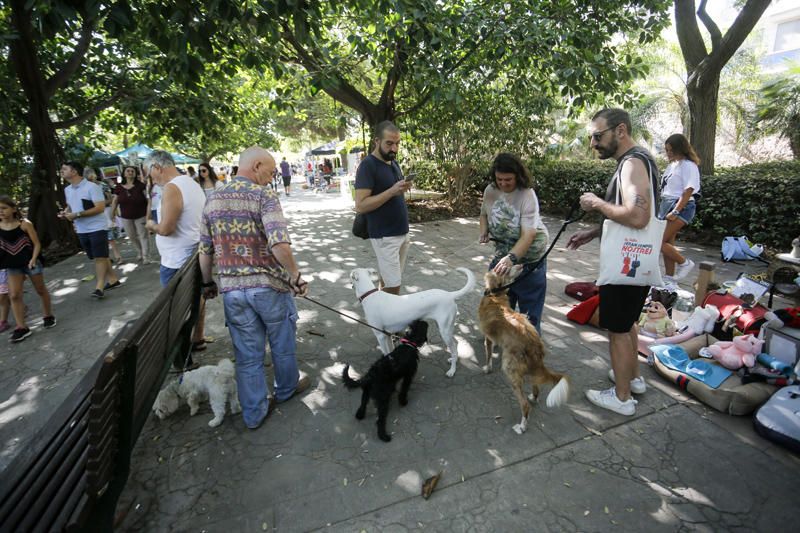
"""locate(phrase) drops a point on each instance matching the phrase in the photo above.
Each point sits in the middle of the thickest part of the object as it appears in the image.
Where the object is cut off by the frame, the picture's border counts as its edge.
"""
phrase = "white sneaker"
(682, 270)
(670, 284)
(607, 399)
(638, 386)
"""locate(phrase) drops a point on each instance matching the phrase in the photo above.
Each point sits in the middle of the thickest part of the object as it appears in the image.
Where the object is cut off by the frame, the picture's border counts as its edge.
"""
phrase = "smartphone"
(410, 177)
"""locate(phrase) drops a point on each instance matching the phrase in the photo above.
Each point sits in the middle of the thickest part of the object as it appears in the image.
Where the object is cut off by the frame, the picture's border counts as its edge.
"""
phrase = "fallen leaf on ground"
(586, 513)
(430, 484)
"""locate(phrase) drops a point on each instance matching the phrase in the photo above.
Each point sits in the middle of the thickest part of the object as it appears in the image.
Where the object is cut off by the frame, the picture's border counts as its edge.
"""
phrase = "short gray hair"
(162, 158)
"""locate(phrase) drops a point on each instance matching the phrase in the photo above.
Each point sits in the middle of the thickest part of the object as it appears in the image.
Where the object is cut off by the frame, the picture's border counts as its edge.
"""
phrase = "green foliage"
(733, 201)
(778, 109)
(559, 184)
(759, 201)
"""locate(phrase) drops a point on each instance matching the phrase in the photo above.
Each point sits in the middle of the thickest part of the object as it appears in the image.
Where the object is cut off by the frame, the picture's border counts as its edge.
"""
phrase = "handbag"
(629, 256)
(360, 226)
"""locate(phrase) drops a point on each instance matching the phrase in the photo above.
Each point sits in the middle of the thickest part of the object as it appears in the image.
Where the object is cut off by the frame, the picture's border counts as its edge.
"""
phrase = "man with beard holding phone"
(380, 189)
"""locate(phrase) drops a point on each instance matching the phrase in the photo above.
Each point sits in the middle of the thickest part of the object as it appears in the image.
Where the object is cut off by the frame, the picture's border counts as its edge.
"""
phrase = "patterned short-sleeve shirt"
(507, 214)
(242, 221)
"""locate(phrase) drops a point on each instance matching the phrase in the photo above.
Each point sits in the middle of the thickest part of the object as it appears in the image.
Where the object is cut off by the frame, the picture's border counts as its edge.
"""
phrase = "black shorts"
(621, 306)
(287, 180)
(95, 244)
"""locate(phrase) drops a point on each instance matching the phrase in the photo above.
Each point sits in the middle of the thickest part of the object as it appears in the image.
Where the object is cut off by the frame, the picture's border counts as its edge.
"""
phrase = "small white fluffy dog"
(395, 313)
(217, 384)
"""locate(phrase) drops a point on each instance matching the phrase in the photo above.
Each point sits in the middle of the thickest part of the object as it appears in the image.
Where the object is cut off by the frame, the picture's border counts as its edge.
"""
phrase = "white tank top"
(175, 249)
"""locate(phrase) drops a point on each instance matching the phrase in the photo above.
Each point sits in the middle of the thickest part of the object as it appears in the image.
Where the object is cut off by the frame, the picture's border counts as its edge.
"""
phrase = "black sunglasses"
(596, 136)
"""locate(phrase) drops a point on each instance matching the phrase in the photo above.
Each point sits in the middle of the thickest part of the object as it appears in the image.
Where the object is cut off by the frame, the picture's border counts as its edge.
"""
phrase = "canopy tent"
(101, 158)
(142, 150)
(137, 150)
(325, 149)
(181, 159)
(356, 149)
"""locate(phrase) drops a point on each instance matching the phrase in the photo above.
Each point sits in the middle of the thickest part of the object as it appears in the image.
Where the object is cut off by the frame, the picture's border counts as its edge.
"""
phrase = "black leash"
(528, 268)
(288, 285)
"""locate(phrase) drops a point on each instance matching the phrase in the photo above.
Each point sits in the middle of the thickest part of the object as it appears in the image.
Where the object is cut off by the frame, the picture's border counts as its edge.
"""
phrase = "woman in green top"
(510, 217)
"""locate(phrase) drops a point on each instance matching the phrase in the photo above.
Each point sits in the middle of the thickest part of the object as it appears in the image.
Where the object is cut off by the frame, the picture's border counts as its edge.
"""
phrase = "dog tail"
(558, 394)
(349, 382)
(226, 368)
(466, 288)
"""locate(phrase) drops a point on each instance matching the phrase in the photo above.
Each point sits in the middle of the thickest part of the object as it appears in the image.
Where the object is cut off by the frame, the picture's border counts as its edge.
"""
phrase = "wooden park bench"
(71, 475)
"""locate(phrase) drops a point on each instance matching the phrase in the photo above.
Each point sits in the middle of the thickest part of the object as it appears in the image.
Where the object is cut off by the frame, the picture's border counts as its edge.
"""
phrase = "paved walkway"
(37, 374)
(676, 465)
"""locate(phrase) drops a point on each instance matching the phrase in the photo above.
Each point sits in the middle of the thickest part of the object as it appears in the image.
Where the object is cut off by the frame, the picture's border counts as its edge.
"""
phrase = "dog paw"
(533, 398)
(236, 409)
(360, 414)
(487, 369)
(385, 437)
(450, 373)
(215, 422)
(519, 429)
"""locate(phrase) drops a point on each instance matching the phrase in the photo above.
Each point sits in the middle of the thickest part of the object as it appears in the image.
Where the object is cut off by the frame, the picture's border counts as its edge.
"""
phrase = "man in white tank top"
(179, 217)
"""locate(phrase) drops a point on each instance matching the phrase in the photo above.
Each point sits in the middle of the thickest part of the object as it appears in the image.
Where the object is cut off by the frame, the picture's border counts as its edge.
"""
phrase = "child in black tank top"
(19, 255)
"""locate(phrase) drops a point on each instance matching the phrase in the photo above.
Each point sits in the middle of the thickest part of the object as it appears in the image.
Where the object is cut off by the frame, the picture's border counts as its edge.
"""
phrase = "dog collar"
(406, 341)
(363, 296)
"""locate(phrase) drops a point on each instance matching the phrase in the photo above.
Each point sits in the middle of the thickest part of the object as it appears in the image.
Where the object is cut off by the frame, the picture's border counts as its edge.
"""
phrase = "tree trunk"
(46, 187)
(703, 124)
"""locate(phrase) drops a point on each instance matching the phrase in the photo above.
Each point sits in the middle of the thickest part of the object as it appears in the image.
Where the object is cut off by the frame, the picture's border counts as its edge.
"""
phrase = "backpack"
(739, 249)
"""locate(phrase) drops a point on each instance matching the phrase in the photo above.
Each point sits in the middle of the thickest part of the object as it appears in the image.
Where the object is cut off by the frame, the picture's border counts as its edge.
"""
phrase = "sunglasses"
(596, 136)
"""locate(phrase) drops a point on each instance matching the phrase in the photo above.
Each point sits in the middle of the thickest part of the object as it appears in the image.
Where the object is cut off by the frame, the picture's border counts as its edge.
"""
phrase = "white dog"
(395, 313)
(217, 384)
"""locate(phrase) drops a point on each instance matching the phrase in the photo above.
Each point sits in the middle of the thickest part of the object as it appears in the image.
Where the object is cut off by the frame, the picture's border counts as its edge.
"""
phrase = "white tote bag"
(629, 256)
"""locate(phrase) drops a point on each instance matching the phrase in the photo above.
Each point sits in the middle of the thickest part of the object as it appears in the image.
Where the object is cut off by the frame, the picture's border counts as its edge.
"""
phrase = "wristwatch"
(79, 214)
(513, 257)
(674, 212)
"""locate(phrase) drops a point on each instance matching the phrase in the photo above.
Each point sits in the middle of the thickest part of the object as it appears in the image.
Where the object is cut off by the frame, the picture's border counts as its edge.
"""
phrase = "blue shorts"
(668, 203)
(38, 269)
(166, 274)
(95, 244)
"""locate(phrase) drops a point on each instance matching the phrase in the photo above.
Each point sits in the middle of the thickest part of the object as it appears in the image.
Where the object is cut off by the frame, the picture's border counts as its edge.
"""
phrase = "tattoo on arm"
(640, 202)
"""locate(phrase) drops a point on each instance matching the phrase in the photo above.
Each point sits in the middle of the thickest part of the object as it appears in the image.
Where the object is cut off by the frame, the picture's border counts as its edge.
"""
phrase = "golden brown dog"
(522, 348)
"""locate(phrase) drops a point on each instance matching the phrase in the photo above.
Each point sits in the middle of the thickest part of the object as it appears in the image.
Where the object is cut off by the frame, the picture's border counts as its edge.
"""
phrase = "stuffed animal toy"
(701, 320)
(656, 322)
(742, 351)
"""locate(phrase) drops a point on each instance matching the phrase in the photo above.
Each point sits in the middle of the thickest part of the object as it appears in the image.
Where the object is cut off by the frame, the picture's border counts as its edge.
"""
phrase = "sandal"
(199, 346)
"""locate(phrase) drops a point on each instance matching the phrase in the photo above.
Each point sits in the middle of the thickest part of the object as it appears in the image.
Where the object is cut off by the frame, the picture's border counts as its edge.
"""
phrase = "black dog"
(383, 375)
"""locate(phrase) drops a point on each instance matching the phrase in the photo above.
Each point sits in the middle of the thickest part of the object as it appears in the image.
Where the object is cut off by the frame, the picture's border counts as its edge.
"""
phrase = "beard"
(387, 156)
(605, 152)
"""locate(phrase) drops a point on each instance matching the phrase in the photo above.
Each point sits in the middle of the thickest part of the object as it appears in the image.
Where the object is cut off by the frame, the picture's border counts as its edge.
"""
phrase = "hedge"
(761, 201)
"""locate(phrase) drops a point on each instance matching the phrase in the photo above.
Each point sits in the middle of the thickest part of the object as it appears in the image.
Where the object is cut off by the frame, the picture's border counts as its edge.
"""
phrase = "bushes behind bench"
(761, 200)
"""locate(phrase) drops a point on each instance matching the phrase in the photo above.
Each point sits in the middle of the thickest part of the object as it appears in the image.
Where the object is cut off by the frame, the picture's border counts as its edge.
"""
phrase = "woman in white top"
(208, 179)
(679, 185)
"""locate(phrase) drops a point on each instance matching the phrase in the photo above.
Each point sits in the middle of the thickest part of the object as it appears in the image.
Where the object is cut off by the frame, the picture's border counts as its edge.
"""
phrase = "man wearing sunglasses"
(620, 305)
(380, 187)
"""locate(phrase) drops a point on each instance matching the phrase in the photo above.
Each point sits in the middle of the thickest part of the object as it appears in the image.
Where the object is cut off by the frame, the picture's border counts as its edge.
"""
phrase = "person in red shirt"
(131, 197)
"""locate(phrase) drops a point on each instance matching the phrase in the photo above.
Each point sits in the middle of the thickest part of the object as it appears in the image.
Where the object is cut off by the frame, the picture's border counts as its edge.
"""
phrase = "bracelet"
(211, 283)
(513, 257)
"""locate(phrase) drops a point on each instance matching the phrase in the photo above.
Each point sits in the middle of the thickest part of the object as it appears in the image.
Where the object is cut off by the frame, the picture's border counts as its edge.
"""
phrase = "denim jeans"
(529, 293)
(255, 316)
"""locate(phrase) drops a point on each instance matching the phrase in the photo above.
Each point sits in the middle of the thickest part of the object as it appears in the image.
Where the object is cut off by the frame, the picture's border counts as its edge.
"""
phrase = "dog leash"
(570, 219)
(354, 319)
